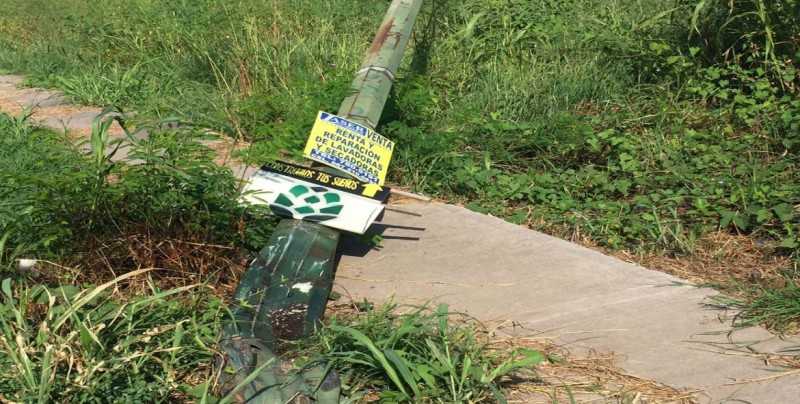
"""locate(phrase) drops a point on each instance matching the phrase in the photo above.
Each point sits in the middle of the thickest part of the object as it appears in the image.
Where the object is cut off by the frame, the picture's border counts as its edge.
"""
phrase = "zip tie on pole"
(386, 72)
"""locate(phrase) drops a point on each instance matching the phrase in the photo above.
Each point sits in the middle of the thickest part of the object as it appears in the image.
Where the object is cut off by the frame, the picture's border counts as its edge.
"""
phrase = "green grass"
(774, 306)
(415, 354)
(89, 343)
(56, 200)
(137, 336)
(42, 187)
(69, 343)
(637, 126)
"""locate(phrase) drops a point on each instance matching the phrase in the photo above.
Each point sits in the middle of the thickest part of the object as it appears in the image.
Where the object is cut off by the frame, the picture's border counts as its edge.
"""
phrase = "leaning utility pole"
(283, 293)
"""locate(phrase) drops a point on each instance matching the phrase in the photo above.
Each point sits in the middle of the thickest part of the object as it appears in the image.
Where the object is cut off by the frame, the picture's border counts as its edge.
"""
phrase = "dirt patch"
(62, 112)
(400, 196)
(4, 97)
(595, 378)
(10, 108)
(9, 101)
(55, 117)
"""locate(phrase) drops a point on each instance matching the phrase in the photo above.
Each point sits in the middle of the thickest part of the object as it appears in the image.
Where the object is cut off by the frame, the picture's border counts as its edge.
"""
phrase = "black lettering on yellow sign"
(350, 147)
(353, 149)
(357, 132)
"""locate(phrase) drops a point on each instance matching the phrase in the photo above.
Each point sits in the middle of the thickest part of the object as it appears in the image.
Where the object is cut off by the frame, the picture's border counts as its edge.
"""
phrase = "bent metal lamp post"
(283, 293)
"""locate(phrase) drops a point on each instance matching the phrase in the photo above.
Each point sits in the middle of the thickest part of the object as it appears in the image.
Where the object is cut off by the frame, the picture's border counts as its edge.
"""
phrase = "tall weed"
(68, 343)
(415, 354)
(44, 190)
(55, 201)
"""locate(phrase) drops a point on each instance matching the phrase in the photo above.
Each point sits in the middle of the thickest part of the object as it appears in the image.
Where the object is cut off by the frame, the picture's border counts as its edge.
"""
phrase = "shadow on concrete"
(354, 245)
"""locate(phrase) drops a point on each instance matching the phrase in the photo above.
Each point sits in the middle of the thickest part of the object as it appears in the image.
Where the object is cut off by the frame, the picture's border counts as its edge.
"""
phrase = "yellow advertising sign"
(350, 147)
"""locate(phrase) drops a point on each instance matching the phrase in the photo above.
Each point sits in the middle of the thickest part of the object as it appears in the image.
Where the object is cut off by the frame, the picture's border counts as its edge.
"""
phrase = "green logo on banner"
(315, 204)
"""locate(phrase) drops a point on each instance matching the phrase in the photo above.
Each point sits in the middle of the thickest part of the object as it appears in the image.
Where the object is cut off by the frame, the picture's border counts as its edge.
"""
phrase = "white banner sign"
(303, 193)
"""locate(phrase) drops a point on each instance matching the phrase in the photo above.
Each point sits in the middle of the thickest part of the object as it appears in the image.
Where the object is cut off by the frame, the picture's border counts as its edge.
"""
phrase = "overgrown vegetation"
(166, 219)
(416, 354)
(656, 129)
(70, 219)
(56, 202)
(639, 127)
(84, 345)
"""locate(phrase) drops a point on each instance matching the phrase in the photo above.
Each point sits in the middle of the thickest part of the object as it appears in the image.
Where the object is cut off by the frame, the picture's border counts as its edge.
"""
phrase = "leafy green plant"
(764, 29)
(66, 342)
(43, 186)
(175, 188)
(414, 354)
(55, 201)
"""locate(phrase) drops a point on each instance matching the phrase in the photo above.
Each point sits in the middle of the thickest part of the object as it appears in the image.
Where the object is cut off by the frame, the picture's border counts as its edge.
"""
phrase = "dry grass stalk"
(593, 378)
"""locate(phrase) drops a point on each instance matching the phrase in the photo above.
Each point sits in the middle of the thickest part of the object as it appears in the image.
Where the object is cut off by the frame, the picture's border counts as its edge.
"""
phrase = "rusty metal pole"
(283, 293)
(374, 79)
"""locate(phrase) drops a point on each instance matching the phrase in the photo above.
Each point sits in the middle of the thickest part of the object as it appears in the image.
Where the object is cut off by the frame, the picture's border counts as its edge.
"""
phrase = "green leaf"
(41, 294)
(475, 207)
(402, 366)
(6, 286)
(784, 211)
(252, 376)
(518, 217)
(377, 355)
(498, 395)
(696, 15)
(530, 358)
(789, 242)
(727, 217)
(201, 391)
(424, 373)
(741, 221)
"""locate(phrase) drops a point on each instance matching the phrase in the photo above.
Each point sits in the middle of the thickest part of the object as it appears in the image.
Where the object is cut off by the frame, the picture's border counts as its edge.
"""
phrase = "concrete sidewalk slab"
(51, 109)
(548, 287)
(9, 84)
(27, 98)
(47, 107)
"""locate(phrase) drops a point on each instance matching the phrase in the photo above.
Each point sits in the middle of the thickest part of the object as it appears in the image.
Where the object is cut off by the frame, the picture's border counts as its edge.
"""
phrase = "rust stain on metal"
(353, 103)
(383, 34)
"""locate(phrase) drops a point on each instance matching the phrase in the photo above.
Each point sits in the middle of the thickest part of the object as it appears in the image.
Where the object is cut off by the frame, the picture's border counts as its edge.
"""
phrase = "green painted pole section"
(377, 74)
(284, 292)
(282, 296)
